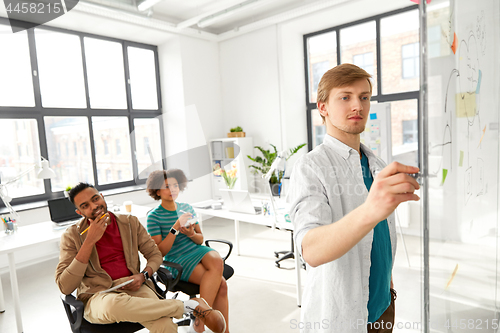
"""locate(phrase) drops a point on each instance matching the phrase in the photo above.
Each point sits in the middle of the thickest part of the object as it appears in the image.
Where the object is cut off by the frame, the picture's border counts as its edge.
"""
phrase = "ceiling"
(214, 18)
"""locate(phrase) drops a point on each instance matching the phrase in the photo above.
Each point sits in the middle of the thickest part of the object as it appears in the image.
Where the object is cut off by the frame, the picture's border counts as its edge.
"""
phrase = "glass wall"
(463, 165)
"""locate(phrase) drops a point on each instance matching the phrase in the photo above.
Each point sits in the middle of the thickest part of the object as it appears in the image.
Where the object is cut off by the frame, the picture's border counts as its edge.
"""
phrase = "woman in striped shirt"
(181, 243)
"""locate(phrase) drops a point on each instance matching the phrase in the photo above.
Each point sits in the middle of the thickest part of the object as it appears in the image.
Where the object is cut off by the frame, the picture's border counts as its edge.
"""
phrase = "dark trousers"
(385, 323)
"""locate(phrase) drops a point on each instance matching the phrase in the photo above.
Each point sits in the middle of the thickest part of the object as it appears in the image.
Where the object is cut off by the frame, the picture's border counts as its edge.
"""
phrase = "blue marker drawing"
(479, 81)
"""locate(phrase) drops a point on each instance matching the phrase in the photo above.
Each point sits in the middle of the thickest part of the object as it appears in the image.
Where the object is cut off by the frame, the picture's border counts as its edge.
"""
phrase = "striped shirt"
(184, 251)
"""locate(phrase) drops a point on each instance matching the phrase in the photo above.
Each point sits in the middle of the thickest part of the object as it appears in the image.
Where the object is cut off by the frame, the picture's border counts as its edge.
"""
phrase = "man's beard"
(102, 209)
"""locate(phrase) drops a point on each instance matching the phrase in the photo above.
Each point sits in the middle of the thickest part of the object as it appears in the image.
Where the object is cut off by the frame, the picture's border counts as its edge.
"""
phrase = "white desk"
(25, 237)
(254, 219)
(32, 236)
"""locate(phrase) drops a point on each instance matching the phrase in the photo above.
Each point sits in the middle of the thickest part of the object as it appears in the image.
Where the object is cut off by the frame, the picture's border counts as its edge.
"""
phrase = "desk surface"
(30, 235)
(265, 220)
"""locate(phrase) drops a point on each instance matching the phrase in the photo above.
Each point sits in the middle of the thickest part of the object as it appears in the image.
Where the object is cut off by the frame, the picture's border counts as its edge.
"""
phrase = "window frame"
(379, 97)
(38, 112)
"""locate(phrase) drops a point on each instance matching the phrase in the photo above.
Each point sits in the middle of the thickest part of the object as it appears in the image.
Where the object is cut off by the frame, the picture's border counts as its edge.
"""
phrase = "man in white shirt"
(342, 202)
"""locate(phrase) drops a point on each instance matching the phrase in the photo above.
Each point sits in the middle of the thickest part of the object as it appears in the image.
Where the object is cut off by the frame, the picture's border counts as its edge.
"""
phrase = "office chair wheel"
(278, 265)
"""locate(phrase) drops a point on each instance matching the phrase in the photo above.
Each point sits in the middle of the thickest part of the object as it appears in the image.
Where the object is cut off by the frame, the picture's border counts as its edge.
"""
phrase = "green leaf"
(275, 150)
(294, 150)
(250, 157)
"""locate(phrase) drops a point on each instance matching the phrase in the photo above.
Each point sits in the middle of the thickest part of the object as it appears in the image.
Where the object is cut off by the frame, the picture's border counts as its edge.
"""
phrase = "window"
(16, 83)
(410, 131)
(320, 132)
(74, 86)
(364, 61)
(146, 145)
(434, 41)
(105, 146)
(105, 74)
(387, 43)
(410, 61)
(69, 170)
(142, 79)
(108, 129)
(118, 147)
(61, 78)
(359, 43)
(398, 31)
(13, 159)
(322, 55)
(404, 113)
(318, 69)
(146, 130)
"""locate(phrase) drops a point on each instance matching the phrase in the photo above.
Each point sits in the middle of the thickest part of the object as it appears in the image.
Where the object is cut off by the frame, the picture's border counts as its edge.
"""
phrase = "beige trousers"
(142, 306)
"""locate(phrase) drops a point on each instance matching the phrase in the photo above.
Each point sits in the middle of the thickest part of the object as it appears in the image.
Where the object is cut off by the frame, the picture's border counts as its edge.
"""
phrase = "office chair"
(288, 254)
(191, 289)
(285, 254)
(74, 310)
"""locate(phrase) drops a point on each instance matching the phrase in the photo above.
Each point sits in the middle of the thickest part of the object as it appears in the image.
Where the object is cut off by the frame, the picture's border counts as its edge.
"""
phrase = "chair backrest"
(74, 311)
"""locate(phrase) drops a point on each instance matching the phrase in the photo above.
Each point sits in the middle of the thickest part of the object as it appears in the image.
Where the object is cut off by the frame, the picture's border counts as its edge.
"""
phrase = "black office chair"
(285, 254)
(74, 310)
(288, 254)
(191, 289)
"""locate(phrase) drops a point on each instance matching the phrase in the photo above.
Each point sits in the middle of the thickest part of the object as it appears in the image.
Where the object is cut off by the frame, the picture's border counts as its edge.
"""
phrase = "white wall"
(191, 98)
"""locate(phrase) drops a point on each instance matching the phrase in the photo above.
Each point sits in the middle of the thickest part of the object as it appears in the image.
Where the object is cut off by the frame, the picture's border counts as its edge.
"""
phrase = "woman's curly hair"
(156, 181)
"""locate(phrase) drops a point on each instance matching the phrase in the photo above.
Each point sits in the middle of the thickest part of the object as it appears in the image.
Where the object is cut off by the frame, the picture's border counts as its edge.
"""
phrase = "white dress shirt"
(326, 184)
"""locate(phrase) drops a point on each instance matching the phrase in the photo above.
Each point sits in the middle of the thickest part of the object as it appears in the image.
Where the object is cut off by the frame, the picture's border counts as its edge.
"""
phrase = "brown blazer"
(91, 278)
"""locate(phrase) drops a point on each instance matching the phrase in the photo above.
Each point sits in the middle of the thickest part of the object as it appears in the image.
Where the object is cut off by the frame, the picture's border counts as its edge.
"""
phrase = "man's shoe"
(213, 319)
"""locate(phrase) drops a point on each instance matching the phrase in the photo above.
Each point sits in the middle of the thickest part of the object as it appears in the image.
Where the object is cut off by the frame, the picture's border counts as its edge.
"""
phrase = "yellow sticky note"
(461, 161)
(466, 105)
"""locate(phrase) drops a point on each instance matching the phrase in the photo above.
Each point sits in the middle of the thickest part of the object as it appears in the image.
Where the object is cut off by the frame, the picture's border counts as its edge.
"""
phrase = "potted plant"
(264, 162)
(66, 191)
(236, 132)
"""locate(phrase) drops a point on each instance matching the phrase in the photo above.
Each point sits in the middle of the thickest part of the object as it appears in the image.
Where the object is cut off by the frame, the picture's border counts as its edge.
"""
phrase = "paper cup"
(128, 206)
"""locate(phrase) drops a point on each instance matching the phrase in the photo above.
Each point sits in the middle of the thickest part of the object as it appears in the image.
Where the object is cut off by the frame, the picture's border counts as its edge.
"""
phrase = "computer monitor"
(62, 211)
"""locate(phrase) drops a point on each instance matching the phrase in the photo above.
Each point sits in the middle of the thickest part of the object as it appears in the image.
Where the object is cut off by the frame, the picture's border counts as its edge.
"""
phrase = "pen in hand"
(84, 231)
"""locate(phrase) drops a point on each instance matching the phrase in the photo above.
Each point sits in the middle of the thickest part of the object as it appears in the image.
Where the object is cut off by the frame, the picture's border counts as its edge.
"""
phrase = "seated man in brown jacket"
(101, 251)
